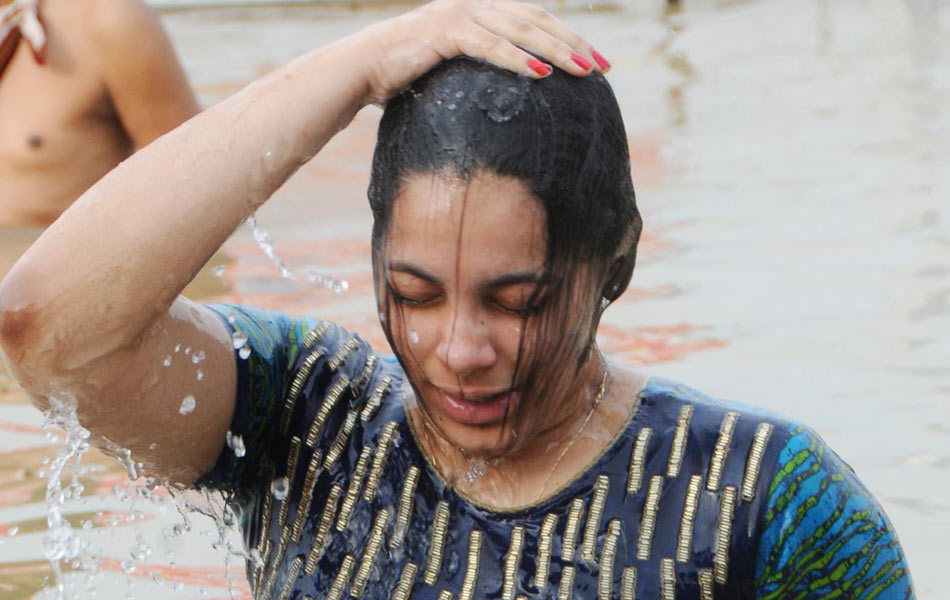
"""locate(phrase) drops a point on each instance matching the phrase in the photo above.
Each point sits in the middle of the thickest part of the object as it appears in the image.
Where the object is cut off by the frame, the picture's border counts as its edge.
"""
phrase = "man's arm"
(141, 73)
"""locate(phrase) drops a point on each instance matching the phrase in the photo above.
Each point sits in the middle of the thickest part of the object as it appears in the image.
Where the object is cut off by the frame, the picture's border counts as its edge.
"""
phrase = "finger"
(538, 41)
(547, 22)
(479, 42)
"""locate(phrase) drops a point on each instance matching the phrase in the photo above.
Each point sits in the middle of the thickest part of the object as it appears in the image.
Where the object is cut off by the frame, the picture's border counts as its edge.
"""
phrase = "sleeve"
(823, 534)
(266, 345)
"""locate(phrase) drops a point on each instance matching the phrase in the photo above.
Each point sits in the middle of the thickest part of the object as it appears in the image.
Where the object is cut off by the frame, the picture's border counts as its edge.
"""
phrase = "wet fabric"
(696, 498)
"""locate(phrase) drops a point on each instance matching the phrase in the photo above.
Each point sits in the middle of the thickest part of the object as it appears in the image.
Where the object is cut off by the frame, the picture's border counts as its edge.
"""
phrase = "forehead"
(484, 225)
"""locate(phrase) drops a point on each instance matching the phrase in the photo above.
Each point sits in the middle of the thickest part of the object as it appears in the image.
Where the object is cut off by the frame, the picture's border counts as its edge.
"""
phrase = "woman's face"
(464, 260)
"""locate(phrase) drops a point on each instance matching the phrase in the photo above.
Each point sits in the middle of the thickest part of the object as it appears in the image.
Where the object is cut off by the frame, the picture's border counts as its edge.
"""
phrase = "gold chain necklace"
(570, 444)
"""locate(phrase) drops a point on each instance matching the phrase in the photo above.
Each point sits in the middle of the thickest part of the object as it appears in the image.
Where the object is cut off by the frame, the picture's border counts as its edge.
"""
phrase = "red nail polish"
(539, 67)
(602, 62)
(581, 61)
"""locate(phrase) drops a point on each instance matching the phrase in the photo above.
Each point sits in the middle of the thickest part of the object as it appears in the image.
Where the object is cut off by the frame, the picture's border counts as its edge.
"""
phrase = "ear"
(619, 275)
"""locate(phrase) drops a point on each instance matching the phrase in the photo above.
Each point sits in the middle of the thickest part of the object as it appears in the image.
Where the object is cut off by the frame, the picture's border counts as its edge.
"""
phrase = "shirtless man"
(106, 82)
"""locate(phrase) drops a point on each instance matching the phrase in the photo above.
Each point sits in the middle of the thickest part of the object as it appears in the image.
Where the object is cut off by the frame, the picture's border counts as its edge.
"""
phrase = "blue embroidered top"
(695, 499)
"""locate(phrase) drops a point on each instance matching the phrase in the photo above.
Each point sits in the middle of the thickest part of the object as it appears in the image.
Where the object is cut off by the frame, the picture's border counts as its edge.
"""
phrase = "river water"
(790, 161)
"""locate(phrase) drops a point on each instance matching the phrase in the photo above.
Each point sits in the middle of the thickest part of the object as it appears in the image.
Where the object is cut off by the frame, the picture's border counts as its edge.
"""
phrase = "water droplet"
(188, 350)
(244, 352)
(232, 317)
(238, 339)
(460, 94)
(198, 356)
(86, 524)
(177, 348)
(219, 271)
(279, 488)
(168, 361)
(382, 318)
(414, 337)
(127, 566)
(142, 550)
(236, 443)
(158, 578)
(13, 531)
(178, 586)
(152, 446)
(187, 405)
(200, 374)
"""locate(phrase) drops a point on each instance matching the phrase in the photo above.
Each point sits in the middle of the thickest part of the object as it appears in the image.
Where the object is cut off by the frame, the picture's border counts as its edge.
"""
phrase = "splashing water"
(263, 239)
(61, 543)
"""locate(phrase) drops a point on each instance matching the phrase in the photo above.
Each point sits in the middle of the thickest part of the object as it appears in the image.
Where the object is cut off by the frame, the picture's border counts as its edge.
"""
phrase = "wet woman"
(498, 454)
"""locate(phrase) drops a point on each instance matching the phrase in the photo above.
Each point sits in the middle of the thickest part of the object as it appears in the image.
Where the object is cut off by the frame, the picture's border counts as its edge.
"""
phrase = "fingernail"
(602, 62)
(581, 61)
(539, 67)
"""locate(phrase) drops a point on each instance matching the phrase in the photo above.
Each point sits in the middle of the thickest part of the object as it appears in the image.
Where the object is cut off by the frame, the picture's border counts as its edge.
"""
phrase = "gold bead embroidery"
(445, 595)
(323, 530)
(353, 489)
(379, 460)
(628, 584)
(471, 568)
(372, 551)
(342, 578)
(306, 496)
(296, 386)
(605, 582)
(638, 461)
(336, 361)
(679, 440)
(404, 587)
(690, 506)
(313, 336)
(291, 578)
(376, 399)
(437, 544)
(565, 588)
(365, 375)
(329, 402)
(406, 504)
(724, 534)
(721, 451)
(754, 462)
(512, 560)
(339, 443)
(705, 584)
(667, 579)
(648, 518)
(278, 557)
(544, 551)
(293, 453)
(592, 526)
(570, 530)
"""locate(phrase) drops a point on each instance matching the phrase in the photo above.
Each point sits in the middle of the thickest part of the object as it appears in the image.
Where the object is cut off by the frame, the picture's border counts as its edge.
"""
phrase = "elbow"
(19, 332)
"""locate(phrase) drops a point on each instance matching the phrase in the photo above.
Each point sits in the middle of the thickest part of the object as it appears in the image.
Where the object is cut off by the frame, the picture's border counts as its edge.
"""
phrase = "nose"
(465, 347)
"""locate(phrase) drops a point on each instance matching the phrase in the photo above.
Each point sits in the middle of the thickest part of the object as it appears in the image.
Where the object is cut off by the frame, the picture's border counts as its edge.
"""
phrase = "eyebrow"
(513, 278)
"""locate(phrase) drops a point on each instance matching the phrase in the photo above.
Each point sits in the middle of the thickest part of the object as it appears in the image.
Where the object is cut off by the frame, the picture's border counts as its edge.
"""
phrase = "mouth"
(481, 409)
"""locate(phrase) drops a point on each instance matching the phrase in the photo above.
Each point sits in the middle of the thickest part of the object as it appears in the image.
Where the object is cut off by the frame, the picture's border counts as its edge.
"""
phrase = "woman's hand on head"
(503, 32)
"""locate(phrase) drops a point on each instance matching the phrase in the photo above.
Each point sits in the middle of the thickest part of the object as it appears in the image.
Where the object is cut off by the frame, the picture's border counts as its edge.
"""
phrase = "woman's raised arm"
(92, 309)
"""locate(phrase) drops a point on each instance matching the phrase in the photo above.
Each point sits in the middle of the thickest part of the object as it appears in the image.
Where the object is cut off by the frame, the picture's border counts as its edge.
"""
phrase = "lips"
(476, 410)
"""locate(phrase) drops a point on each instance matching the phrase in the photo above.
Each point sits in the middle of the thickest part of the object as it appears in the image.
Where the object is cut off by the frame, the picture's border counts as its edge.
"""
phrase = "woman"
(500, 455)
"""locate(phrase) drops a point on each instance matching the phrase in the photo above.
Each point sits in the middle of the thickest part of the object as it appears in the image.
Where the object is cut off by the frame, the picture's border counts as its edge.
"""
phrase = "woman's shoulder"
(816, 529)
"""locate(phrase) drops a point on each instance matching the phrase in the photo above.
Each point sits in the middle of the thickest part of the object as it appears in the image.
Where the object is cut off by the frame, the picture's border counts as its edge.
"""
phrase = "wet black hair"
(563, 137)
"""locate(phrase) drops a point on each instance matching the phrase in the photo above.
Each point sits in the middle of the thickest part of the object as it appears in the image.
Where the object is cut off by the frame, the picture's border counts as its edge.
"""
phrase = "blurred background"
(790, 159)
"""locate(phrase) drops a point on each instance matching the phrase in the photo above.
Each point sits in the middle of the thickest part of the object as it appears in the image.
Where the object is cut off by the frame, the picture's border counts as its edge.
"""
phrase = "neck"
(537, 465)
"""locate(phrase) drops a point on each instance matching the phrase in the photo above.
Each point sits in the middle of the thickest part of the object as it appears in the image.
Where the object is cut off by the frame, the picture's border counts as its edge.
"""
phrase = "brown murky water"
(790, 158)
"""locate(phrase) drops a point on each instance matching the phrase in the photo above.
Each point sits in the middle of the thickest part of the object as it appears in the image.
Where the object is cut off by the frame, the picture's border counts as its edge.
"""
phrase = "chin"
(479, 442)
